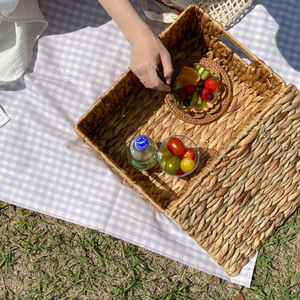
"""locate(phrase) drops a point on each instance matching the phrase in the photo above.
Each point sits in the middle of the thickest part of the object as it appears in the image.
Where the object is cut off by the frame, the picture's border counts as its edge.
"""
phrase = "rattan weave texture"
(247, 181)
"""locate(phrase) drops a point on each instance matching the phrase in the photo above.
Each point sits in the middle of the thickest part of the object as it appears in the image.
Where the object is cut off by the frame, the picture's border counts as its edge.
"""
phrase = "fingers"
(156, 83)
(167, 67)
(152, 81)
(162, 81)
(146, 54)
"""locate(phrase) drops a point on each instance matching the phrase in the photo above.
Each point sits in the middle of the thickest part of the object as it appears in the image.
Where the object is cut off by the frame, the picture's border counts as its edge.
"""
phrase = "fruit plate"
(215, 108)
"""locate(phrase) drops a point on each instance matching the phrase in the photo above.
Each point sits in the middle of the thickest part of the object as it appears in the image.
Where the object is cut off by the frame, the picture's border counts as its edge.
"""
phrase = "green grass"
(45, 258)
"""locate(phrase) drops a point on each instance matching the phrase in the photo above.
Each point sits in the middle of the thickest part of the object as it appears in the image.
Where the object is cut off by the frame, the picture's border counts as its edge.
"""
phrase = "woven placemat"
(220, 106)
(246, 183)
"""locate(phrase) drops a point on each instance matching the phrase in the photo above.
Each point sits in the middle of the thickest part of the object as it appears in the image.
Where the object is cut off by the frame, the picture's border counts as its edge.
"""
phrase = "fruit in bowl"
(197, 88)
(178, 156)
(201, 91)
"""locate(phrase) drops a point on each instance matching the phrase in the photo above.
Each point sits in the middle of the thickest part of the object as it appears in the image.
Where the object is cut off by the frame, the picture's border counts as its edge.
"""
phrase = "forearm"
(127, 19)
(147, 51)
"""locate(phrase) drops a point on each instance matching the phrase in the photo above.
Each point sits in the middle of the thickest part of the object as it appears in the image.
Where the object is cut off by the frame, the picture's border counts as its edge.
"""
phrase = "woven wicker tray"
(247, 182)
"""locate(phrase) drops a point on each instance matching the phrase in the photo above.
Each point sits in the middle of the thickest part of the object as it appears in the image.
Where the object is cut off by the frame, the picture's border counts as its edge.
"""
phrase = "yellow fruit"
(187, 165)
(188, 76)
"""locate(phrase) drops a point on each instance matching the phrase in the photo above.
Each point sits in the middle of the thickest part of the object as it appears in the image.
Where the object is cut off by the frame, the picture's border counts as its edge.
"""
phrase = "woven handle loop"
(240, 46)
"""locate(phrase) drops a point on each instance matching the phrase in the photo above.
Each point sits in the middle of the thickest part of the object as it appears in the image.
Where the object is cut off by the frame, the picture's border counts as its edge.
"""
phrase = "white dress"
(21, 24)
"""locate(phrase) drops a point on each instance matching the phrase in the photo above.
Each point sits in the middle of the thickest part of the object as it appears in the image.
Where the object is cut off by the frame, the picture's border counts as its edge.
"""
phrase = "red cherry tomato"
(175, 146)
(180, 172)
(189, 153)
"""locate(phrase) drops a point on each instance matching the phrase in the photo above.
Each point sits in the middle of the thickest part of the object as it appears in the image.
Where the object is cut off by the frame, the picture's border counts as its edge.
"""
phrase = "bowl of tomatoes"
(178, 156)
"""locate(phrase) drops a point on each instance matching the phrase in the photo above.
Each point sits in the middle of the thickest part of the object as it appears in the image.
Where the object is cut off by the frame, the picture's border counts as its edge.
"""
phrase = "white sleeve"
(21, 25)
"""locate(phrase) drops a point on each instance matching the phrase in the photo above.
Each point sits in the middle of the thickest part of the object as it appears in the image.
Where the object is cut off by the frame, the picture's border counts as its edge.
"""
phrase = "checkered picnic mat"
(45, 167)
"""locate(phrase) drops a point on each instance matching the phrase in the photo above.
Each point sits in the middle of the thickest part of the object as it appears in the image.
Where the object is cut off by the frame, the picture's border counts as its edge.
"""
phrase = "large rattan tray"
(248, 180)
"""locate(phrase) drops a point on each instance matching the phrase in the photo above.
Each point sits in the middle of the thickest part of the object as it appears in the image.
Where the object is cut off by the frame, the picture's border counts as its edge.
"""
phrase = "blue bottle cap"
(141, 142)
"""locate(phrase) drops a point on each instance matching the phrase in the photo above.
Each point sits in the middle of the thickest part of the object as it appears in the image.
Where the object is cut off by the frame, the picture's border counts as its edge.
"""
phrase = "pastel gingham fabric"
(46, 167)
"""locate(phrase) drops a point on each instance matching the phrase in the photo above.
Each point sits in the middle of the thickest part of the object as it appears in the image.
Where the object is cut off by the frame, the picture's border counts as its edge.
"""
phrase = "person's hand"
(147, 53)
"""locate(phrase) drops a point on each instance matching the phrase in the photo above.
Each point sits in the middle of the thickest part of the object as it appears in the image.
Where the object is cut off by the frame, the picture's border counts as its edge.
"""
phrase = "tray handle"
(240, 46)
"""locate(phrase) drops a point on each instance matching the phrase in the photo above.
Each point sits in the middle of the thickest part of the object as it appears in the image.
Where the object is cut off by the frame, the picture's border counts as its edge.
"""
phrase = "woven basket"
(247, 182)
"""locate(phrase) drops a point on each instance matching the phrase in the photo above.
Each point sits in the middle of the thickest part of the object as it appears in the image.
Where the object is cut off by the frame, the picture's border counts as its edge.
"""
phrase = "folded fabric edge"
(20, 62)
(4, 118)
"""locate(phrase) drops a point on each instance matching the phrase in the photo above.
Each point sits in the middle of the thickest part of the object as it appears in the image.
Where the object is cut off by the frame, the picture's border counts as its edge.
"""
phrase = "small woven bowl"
(220, 105)
(188, 143)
